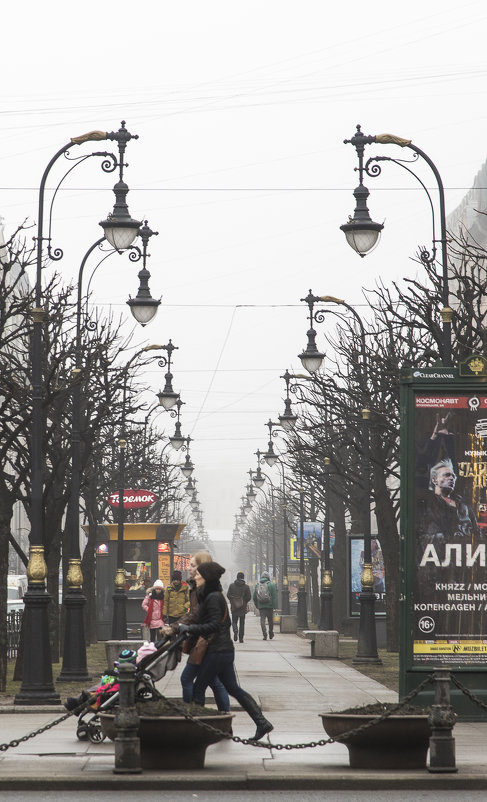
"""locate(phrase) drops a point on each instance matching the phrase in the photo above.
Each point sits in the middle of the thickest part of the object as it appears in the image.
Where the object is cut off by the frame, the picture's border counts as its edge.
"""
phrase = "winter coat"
(154, 606)
(177, 600)
(272, 603)
(239, 595)
(213, 619)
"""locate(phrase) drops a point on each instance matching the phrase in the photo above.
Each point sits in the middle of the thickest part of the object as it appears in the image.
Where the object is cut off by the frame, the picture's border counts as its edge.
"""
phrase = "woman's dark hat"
(211, 571)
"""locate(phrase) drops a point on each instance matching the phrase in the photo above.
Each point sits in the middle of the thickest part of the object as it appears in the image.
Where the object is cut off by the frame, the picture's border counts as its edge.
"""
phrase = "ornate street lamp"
(37, 684)
(74, 651)
(187, 467)
(177, 440)
(258, 477)
(143, 307)
(270, 455)
(311, 358)
(287, 420)
(363, 234)
(367, 640)
(167, 397)
(119, 618)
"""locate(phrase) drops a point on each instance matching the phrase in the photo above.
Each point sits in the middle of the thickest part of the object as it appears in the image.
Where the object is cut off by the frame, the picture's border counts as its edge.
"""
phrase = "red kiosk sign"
(133, 499)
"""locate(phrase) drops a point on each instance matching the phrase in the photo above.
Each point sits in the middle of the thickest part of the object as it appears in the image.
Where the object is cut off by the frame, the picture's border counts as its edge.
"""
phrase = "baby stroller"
(148, 670)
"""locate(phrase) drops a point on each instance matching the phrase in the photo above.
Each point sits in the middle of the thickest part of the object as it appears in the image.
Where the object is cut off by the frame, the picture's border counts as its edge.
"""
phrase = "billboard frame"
(470, 378)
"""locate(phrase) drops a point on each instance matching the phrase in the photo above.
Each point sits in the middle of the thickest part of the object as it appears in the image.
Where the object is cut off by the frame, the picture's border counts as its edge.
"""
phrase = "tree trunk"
(389, 541)
(6, 508)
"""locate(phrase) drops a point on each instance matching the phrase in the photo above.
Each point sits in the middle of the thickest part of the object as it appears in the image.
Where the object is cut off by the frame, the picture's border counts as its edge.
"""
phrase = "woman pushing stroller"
(214, 625)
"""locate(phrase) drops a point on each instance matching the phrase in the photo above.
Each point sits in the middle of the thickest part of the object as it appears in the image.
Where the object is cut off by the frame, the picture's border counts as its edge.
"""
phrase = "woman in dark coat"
(214, 624)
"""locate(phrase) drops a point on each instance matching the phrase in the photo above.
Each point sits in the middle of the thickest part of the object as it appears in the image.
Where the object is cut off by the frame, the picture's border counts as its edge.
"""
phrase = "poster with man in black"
(450, 529)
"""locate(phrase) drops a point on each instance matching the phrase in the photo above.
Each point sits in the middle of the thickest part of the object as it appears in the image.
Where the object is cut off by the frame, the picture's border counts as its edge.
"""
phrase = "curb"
(328, 780)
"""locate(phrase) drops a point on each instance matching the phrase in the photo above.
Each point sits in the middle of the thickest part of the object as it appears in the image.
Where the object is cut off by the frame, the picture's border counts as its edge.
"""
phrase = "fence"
(14, 623)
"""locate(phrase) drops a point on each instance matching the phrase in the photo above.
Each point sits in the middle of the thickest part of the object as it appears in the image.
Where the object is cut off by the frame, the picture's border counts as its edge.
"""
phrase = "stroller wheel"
(95, 734)
(82, 732)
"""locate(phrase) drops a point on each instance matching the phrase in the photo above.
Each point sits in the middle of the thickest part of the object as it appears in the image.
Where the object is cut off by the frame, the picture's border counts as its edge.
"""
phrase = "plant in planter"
(168, 740)
(398, 742)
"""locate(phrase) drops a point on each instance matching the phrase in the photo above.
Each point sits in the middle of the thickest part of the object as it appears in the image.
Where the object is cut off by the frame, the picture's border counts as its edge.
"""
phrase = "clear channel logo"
(434, 374)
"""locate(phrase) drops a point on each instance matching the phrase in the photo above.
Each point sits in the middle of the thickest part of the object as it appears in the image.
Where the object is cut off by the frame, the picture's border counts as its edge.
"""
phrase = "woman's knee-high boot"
(252, 708)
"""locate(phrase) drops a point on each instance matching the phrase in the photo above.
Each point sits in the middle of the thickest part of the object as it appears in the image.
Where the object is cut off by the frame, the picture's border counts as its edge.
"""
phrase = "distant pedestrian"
(154, 606)
(239, 595)
(177, 598)
(265, 599)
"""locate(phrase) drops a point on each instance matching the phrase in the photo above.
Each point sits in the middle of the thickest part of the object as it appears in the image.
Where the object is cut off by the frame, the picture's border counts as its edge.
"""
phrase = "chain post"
(127, 741)
(442, 720)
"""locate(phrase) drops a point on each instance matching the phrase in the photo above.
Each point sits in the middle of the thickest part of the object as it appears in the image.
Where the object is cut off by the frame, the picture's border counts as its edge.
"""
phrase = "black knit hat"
(240, 575)
(210, 571)
(176, 576)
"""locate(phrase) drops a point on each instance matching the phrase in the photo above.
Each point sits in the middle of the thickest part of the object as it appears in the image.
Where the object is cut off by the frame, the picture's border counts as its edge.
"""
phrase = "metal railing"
(14, 625)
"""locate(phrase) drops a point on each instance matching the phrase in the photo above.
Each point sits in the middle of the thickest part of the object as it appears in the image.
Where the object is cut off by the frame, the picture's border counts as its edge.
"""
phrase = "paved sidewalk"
(291, 687)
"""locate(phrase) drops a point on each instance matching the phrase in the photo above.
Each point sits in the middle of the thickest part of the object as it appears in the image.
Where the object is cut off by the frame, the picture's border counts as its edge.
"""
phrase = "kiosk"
(148, 555)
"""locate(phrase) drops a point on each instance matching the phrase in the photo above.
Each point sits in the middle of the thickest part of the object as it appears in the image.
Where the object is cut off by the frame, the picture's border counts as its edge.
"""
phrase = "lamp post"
(367, 640)
(74, 651)
(37, 684)
(363, 234)
(288, 419)
(119, 619)
(187, 467)
(326, 595)
(177, 440)
(302, 611)
(167, 397)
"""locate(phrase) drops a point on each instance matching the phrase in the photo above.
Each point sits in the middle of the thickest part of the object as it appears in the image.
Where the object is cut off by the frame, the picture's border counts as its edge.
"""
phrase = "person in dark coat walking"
(214, 624)
(239, 595)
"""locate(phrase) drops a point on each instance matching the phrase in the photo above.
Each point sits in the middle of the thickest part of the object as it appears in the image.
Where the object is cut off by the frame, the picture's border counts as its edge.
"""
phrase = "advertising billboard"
(312, 541)
(449, 587)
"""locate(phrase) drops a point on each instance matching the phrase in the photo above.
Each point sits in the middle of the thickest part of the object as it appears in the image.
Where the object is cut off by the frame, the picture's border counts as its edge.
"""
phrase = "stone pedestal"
(289, 623)
(324, 643)
(114, 647)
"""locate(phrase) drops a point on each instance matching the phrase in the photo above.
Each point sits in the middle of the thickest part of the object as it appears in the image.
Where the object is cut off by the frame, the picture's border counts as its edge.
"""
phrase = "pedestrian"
(239, 595)
(153, 604)
(214, 625)
(265, 599)
(190, 670)
(177, 598)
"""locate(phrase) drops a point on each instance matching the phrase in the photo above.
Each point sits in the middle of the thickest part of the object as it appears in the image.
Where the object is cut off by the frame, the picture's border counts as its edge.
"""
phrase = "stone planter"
(398, 742)
(173, 742)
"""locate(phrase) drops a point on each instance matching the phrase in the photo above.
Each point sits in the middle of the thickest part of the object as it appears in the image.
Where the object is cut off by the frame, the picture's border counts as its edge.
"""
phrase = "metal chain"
(467, 692)
(177, 706)
(16, 742)
(311, 744)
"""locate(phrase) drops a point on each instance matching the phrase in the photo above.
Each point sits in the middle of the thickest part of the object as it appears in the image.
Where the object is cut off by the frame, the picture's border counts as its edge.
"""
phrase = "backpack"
(263, 595)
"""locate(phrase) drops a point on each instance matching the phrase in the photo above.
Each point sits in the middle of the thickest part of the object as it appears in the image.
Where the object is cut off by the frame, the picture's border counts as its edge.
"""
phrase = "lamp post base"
(326, 610)
(367, 638)
(37, 684)
(74, 651)
(302, 613)
(285, 608)
(119, 620)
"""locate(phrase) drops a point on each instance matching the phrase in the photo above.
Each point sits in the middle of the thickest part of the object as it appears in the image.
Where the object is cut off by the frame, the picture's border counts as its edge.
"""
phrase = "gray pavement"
(292, 688)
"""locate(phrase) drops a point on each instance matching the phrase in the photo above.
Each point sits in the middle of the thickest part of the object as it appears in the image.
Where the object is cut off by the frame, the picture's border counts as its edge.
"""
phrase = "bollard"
(127, 741)
(442, 720)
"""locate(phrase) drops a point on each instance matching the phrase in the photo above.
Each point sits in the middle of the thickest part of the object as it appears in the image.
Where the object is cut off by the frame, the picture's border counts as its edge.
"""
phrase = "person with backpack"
(239, 595)
(265, 600)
